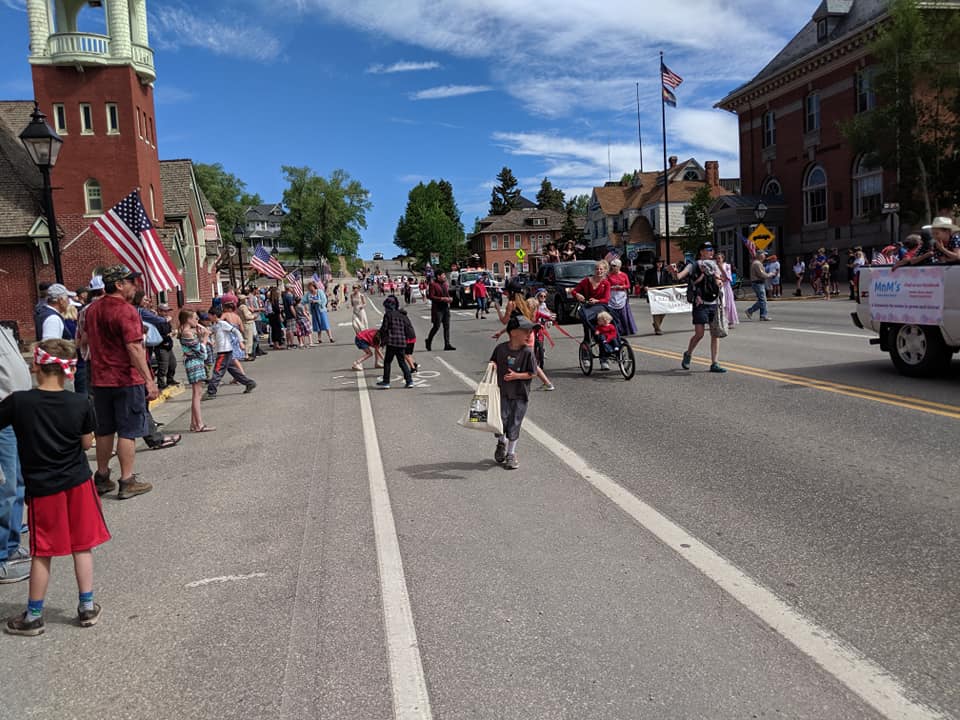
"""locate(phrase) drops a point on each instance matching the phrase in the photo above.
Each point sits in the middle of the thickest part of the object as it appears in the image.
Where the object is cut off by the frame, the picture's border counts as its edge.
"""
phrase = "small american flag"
(295, 285)
(316, 279)
(880, 259)
(266, 264)
(127, 231)
(748, 244)
(611, 256)
(669, 77)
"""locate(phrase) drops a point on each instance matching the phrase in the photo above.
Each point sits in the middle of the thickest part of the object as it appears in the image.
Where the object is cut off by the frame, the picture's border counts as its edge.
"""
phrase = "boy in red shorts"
(53, 430)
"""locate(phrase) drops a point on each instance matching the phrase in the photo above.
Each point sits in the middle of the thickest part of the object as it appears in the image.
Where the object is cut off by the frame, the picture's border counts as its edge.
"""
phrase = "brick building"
(97, 93)
(792, 153)
(500, 237)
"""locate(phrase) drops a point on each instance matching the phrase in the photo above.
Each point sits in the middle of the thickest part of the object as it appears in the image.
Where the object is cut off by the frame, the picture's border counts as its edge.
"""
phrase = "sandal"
(168, 442)
(203, 428)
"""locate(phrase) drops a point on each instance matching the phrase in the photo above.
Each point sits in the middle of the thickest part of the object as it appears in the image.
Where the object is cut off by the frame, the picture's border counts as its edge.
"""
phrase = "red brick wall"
(18, 287)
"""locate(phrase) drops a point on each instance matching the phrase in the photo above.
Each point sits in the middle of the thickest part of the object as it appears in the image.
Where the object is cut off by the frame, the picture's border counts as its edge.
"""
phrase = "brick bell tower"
(97, 93)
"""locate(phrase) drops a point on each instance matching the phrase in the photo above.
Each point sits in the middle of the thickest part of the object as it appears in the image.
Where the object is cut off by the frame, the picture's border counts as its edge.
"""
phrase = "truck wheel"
(563, 317)
(918, 350)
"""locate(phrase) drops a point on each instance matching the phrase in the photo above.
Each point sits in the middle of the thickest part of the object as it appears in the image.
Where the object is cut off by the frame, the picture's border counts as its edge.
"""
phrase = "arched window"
(153, 207)
(815, 196)
(867, 188)
(691, 175)
(92, 197)
(496, 268)
(771, 186)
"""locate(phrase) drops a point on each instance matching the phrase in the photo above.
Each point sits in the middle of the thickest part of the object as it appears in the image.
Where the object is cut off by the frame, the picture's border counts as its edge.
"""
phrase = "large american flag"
(266, 264)
(669, 77)
(127, 231)
(295, 284)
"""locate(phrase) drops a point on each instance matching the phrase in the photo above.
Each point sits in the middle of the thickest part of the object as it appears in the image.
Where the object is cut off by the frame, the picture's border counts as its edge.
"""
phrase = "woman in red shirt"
(594, 293)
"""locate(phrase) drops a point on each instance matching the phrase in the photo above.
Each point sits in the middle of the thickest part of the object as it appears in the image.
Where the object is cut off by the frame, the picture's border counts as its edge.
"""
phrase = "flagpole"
(666, 182)
(639, 136)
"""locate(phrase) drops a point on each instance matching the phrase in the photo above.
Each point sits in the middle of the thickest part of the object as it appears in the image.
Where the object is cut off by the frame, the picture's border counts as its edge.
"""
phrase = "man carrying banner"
(656, 277)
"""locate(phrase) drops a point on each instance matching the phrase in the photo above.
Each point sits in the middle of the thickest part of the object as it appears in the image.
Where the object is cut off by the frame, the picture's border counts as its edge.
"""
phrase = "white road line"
(877, 687)
(224, 579)
(410, 698)
(862, 336)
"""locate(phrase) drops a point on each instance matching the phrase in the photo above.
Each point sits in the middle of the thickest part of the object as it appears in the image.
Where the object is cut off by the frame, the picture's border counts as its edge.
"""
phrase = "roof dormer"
(828, 15)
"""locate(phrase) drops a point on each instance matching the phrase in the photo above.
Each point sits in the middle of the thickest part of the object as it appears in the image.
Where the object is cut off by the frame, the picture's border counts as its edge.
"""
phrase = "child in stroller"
(607, 337)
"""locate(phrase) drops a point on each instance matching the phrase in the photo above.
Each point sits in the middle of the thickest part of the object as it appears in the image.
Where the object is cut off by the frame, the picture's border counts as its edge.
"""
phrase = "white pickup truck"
(915, 310)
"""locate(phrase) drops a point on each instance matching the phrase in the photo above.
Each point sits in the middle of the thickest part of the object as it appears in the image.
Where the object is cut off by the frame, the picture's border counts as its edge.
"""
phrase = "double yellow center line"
(908, 403)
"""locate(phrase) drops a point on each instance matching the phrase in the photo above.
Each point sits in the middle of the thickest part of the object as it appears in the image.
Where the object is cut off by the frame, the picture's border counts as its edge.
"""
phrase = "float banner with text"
(908, 295)
(668, 300)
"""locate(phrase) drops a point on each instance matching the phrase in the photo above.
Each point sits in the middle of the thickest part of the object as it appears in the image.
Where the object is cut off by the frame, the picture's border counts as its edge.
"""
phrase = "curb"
(165, 395)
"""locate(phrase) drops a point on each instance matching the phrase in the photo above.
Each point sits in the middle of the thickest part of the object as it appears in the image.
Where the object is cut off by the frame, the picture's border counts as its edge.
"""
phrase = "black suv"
(558, 279)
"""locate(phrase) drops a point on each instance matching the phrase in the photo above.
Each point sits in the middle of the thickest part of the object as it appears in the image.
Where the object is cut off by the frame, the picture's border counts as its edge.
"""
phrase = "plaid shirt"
(395, 328)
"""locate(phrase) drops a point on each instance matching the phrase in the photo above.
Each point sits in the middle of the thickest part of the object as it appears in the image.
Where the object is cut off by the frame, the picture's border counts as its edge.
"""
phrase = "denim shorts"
(121, 411)
(704, 314)
(361, 344)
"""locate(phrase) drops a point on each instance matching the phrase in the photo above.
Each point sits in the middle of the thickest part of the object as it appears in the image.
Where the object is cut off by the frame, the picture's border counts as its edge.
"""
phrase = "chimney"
(712, 170)
(673, 161)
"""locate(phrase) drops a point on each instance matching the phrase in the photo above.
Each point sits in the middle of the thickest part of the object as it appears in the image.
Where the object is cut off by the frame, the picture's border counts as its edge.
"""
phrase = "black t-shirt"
(288, 311)
(49, 426)
(520, 361)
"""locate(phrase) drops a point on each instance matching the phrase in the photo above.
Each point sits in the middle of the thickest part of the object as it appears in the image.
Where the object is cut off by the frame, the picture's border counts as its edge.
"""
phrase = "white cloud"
(16, 5)
(402, 66)
(413, 179)
(176, 27)
(449, 91)
(171, 95)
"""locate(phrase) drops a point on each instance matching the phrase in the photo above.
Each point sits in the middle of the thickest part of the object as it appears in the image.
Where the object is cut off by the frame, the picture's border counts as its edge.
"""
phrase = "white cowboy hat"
(945, 223)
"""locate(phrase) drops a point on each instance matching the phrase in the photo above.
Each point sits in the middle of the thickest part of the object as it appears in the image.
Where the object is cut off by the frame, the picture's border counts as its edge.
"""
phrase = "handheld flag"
(266, 264)
(128, 232)
(295, 285)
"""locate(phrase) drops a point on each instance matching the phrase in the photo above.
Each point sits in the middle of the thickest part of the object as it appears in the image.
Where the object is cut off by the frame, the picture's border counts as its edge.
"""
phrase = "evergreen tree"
(549, 197)
(505, 196)
(569, 229)
(579, 204)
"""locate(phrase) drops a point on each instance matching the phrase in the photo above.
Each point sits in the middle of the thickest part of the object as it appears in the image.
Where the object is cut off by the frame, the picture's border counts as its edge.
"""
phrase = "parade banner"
(668, 300)
(907, 295)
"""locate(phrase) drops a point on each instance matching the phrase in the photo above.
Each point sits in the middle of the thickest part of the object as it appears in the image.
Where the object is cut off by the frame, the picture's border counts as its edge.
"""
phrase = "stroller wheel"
(625, 359)
(586, 358)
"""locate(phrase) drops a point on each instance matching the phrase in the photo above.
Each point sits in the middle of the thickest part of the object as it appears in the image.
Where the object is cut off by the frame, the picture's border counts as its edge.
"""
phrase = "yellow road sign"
(521, 254)
(762, 236)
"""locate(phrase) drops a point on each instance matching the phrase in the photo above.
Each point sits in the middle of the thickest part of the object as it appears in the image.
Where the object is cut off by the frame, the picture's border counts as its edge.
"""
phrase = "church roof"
(20, 181)
(176, 178)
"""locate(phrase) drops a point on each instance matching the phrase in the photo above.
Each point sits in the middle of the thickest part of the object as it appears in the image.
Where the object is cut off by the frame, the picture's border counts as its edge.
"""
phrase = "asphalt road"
(773, 542)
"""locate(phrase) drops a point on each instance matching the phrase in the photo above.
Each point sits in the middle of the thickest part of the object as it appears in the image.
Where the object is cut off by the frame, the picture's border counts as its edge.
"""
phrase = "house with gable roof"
(262, 225)
(499, 237)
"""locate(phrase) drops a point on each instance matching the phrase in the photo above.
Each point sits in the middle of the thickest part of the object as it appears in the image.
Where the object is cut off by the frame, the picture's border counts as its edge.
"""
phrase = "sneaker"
(685, 363)
(356, 367)
(208, 396)
(500, 454)
(384, 385)
(604, 365)
(20, 555)
(103, 483)
(749, 314)
(88, 618)
(416, 367)
(766, 319)
(14, 573)
(717, 369)
(549, 386)
(250, 388)
(21, 626)
(449, 348)
(133, 487)
(510, 463)
(409, 384)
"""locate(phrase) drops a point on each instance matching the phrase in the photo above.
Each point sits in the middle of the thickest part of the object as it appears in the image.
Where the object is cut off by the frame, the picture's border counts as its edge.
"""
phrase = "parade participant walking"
(594, 293)
(54, 430)
(193, 343)
(394, 330)
(758, 280)
(619, 305)
(704, 279)
(121, 380)
(479, 292)
(438, 293)
(656, 277)
(14, 376)
(224, 335)
(358, 303)
(516, 367)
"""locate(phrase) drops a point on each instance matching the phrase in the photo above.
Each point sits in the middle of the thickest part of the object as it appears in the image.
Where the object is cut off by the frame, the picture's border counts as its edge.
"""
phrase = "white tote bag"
(484, 411)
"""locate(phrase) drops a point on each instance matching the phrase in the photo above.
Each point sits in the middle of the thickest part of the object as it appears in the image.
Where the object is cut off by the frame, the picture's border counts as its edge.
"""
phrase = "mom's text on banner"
(907, 295)
(668, 300)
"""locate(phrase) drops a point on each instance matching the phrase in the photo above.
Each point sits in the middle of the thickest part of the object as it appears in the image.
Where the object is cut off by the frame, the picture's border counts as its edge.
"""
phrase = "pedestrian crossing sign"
(521, 254)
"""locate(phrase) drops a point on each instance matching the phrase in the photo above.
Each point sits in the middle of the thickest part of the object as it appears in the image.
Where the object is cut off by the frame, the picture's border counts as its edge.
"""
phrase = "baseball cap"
(519, 322)
(96, 282)
(163, 306)
(58, 291)
(116, 273)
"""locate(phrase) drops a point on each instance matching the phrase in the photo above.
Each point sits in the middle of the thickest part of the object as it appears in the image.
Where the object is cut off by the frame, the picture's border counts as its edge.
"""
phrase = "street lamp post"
(760, 211)
(43, 145)
(238, 241)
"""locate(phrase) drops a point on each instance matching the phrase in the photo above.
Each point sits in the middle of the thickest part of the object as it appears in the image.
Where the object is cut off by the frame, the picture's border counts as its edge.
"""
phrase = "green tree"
(913, 129)
(699, 224)
(506, 195)
(325, 214)
(226, 193)
(579, 204)
(431, 224)
(569, 229)
(549, 197)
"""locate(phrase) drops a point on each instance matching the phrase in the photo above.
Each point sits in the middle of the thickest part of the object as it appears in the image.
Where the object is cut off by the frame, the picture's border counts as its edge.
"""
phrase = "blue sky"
(398, 92)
